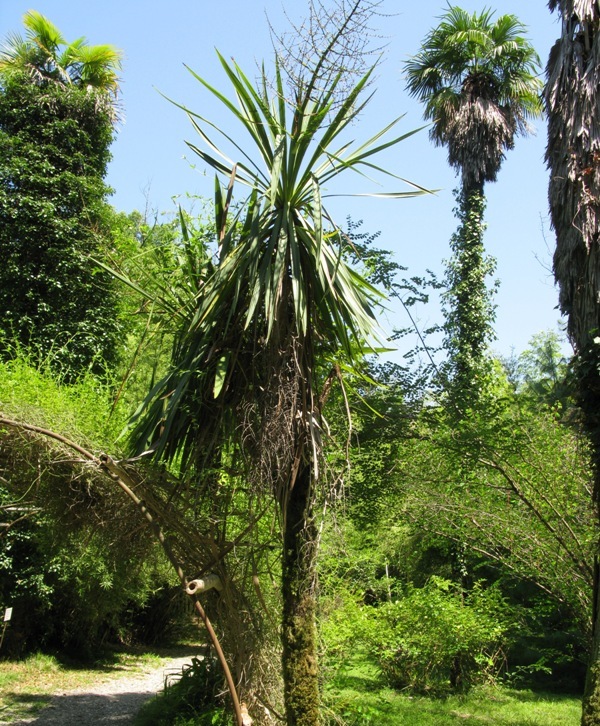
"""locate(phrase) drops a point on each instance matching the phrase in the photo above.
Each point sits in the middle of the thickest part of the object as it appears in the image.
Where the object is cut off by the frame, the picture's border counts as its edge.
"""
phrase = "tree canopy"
(46, 56)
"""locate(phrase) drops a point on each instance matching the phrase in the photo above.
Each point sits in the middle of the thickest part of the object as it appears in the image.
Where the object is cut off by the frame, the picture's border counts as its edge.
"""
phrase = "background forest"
(200, 420)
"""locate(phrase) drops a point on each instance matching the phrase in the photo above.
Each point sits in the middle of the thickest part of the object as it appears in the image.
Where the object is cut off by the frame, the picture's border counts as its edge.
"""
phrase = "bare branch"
(336, 38)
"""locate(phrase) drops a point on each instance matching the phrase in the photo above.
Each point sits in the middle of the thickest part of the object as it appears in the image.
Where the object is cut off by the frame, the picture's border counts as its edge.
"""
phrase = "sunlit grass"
(356, 696)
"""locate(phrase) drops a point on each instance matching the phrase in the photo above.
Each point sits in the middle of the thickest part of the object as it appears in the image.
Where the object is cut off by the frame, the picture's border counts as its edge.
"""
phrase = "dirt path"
(113, 701)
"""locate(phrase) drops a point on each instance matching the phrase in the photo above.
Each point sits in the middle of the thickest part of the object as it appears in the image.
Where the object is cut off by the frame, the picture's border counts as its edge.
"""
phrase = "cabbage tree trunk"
(300, 666)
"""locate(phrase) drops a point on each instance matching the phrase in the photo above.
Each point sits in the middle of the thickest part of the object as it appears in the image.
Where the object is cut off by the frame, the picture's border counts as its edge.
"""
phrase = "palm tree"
(478, 82)
(58, 108)
(46, 56)
(573, 152)
(280, 307)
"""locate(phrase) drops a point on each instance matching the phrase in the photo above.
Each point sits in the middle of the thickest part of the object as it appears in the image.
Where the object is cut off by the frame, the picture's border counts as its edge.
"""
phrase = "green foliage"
(193, 698)
(160, 265)
(469, 313)
(46, 56)
(30, 391)
(358, 696)
(428, 638)
(426, 633)
(276, 300)
(76, 564)
(479, 82)
(54, 143)
(542, 372)
(436, 637)
(281, 249)
(498, 495)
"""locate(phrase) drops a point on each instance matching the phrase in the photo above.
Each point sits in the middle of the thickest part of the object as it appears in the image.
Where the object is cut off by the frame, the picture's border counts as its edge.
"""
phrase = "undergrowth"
(191, 699)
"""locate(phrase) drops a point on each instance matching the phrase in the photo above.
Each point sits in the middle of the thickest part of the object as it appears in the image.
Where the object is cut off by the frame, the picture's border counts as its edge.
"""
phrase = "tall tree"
(254, 350)
(477, 79)
(57, 112)
(573, 152)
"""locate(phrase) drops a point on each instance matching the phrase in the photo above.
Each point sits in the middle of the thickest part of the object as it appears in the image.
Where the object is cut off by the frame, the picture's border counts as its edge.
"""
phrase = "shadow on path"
(110, 702)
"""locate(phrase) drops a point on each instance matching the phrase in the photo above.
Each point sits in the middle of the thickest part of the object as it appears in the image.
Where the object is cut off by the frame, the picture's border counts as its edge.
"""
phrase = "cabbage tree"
(276, 316)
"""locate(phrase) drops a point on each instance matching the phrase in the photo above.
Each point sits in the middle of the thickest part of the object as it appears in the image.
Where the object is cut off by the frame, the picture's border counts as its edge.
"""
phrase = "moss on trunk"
(300, 666)
(591, 699)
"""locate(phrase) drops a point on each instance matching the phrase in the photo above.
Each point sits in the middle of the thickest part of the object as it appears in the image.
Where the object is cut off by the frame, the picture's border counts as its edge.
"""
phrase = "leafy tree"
(56, 127)
(543, 371)
(477, 79)
(276, 310)
(572, 154)
(499, 496)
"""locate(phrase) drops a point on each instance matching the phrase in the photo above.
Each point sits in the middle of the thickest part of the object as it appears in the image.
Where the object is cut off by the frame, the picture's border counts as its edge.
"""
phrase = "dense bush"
(432, 639)
(436, 638)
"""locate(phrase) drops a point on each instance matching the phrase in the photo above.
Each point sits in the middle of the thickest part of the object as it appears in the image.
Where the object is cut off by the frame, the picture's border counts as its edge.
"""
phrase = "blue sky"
(152, 164)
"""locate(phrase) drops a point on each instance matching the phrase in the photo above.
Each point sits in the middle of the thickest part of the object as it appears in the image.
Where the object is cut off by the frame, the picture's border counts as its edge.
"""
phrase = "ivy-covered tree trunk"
(300, 664)
(54, 149)
(469, 312)
(588, 374)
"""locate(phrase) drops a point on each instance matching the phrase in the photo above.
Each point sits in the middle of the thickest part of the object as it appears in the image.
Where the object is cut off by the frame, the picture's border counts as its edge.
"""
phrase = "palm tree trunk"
(300, 666)
(571, 96)
(591, 697)
(470, 313)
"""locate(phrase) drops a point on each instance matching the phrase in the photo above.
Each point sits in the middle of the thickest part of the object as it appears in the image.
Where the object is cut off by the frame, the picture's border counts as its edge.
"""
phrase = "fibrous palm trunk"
(573, 155)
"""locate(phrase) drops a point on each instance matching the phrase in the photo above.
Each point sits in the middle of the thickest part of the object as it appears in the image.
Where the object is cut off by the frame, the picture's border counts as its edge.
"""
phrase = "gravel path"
(114, 701)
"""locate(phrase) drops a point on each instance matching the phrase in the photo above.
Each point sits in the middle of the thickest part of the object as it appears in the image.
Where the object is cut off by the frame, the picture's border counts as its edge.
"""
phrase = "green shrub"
(77, 563)
(435, 638)
(193, 699)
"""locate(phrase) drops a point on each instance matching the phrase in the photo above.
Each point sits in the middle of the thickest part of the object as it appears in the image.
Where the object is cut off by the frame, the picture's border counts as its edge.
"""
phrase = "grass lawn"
(357, 697)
